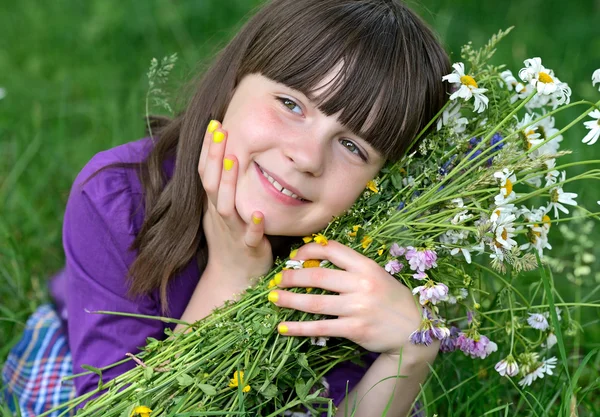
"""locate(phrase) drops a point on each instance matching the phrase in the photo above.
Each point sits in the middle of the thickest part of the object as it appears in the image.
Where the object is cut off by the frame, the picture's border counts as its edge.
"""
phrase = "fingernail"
(293, 253)
(277, 278)
(227, 164)
(256, 220)
(282, 328)
(212, 126)
(273, 296)
(218, 136)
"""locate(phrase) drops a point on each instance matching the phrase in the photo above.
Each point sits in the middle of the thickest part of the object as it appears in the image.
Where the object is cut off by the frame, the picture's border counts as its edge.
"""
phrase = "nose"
(307, 151)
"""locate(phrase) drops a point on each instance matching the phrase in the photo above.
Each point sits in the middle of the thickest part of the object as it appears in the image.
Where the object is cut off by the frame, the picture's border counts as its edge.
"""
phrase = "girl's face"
(278, 132)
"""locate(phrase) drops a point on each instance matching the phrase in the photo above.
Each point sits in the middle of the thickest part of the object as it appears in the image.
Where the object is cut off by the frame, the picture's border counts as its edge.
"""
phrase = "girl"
(297, 114)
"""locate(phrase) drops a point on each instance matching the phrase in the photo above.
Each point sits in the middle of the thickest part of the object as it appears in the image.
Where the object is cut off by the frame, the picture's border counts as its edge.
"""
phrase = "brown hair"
(388, 88)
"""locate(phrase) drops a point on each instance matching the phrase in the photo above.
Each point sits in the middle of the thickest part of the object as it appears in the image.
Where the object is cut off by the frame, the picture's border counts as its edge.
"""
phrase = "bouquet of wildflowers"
(457, 220)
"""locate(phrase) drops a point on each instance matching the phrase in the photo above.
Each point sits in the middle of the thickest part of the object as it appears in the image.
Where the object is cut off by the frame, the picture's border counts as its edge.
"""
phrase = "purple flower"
(477, 347)
(401, 205)
(475, 154)
(393, 267)
(420, 275)
(430, 329)
(397, 250)
(421, 337)
(496, 142)
(431, 293)
(449, 343)
(421, 260)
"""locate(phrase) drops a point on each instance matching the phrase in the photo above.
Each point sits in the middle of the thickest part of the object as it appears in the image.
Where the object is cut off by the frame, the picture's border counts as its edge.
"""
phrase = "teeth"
(279, 187)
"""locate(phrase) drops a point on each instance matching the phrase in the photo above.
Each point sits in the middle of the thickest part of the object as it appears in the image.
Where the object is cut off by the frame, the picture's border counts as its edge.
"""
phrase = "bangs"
(390, 69)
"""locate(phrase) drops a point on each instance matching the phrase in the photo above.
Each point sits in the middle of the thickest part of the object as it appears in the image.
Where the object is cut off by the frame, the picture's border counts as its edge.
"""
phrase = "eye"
(290, 104)
(352, 147)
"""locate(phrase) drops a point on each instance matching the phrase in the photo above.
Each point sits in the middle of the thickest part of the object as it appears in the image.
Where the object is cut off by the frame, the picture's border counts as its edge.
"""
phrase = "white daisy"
(546, 130)
(558, 197)
(319, 341)
(528, 133)
(298, 264)
(594, 127)
(538, 76)
(506, 179)
(551, 176)
(467, 87)
(538, 321)
(596, 77)
(504, 232)
(538, 225)
(451, 118)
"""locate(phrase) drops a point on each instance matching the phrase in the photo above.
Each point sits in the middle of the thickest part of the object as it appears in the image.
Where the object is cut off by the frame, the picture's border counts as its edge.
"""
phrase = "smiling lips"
(285, 194)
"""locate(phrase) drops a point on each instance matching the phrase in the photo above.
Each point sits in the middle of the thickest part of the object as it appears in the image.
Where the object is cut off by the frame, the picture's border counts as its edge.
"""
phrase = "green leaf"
(148, 372)
(185, 380)
(207, 389)
(270, 392)
(303, 362)
(374, 199)
(397, 181)
(97, 372)
(301, 389)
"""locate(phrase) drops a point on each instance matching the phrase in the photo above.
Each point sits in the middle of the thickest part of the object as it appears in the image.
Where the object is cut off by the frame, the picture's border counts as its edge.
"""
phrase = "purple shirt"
(101, 221)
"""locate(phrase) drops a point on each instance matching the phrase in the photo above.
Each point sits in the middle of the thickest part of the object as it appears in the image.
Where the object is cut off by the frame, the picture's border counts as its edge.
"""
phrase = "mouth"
(281, 187)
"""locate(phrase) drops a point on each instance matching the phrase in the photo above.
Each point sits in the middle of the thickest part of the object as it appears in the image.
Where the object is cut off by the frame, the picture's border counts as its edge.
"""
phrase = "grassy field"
(74, 74)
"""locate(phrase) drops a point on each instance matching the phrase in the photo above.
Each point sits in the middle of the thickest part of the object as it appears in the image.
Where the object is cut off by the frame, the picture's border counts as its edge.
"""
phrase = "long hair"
(388, 88)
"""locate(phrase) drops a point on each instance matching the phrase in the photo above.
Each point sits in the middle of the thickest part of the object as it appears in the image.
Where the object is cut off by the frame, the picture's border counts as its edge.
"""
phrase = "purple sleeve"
(344, 377)
(99, 227)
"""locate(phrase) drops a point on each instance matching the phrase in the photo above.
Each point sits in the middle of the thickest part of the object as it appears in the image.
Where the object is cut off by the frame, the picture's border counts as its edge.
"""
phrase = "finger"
(211, 178)
(340, 255)
(256, 230)
(212, 126)
(331, 305)
(324, 278)
(318, 328)
(226, 192)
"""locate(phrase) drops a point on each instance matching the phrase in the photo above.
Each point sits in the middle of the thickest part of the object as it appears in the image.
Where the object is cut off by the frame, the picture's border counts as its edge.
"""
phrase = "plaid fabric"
(35, 366)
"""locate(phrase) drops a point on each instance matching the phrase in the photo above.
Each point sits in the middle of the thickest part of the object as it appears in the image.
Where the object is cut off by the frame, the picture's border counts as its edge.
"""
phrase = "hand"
(240, 249)
(373, 308)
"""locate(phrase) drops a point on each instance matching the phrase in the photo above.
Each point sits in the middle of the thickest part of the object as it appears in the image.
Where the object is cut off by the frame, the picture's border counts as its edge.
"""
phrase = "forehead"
(331, 85)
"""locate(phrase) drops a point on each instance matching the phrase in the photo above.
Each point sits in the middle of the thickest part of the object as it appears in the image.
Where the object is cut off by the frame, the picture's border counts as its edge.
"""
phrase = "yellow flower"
(381, 249)
(321, 239)
(366, 241)
(237, 378)
(372, 185)
(141, 411)
(309, 290)
(271, 284)
(354, 230)
(307, 239)
(311, 263)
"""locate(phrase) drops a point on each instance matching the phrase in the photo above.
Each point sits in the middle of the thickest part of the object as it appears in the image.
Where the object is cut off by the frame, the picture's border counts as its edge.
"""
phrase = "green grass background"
(75, 79)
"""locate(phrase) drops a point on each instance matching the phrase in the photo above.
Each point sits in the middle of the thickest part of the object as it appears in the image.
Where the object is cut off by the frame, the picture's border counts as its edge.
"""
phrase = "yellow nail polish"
(212, 126)
(256, 220)
(293, 253)
(277, 278)
(273, 296)
(283, 329)
(218, 136)
(227, 164)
